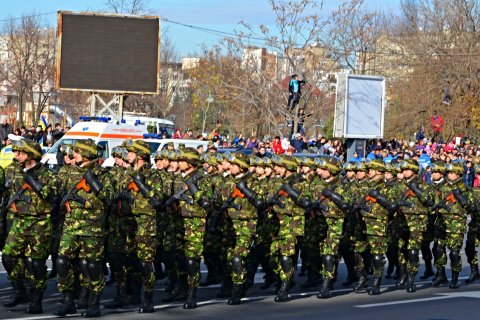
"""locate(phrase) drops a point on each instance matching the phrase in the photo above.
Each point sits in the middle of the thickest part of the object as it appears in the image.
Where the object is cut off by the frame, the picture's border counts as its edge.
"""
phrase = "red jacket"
(277, 147)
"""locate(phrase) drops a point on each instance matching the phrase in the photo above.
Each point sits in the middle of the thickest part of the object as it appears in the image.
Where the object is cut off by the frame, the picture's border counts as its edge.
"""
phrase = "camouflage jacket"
(245, 210)
(419, 207)
(89, 219)
(33, 210)
(191, 208)
(334, 210)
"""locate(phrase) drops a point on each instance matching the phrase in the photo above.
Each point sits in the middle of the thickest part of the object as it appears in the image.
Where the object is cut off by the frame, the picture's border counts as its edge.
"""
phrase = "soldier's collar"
(454, 182)
(440, 181)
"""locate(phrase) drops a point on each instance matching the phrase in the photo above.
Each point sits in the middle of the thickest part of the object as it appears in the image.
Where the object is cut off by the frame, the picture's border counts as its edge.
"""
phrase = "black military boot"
(474, 274)
(82, 302)
(411, 282)
(440, 277)
(93, 309)
(35, 306)
(325, 289)
(19, 295)
(402, 281)
(282, 294)
(287, 267)
(454, 282)
(351, 277)
(67, 306)
(236, 296)
(362, 281)
(378, 265)
(147, 305)
(428, 270)
(212, 275)
(328, 266)
(191, 302)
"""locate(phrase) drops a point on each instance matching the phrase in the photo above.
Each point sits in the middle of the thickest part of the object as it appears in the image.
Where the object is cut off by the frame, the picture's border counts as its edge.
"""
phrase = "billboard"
(360, 106)
(107, 53)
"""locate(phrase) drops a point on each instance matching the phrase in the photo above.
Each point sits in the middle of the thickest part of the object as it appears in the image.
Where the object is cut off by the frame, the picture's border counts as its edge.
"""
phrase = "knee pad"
(413, 256)
(454, 256)
(95, 270)
(29, 264)
(84, 269)
(63, 265)
(286, 264)
(237, 265)
(378, 261)
(8, 262)
(192, 266)
(438, 251)
(39, 268)
(329, 262)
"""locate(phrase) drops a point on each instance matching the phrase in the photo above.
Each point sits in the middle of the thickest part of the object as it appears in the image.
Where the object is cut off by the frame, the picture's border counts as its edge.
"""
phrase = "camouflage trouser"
(193, 243)
(376, 244)
(284, 244)
(472, 242)
(35, 246)
(244, 233)
(331, 244)
(84, 248)
(412, 240)
(454, 242)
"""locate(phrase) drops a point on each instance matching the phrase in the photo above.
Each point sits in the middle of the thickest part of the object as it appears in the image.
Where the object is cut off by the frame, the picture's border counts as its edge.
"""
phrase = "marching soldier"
(473, 235)
(31, 232)
(143, 189)
(89, 192)
(336, 201)
(452, 201)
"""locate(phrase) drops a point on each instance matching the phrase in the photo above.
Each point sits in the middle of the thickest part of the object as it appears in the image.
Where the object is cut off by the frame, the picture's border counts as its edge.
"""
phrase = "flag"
(43, 123)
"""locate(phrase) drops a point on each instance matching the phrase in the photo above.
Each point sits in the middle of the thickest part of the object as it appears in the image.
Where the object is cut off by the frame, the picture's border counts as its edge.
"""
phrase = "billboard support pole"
(104, 108)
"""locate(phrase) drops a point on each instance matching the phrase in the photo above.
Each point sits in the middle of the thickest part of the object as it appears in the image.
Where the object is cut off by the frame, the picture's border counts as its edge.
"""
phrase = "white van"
(158, 144)
(154, 125)
(105, 134)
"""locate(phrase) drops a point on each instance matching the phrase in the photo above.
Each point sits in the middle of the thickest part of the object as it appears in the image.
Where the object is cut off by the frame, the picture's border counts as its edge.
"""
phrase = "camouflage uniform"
(473, 235)
(421, 196)
(291, 218)
(144, 191)
(452, 199)
(84, 228)
(193, 211)
(30, 235)
(375, 222)
(337, 201)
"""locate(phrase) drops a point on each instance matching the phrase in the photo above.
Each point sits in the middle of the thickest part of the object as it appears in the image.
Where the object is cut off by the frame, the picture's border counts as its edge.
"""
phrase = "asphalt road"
(427, 303)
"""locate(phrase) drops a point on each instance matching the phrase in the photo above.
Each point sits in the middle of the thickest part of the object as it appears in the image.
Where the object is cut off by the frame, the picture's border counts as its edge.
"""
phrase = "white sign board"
(361, 113)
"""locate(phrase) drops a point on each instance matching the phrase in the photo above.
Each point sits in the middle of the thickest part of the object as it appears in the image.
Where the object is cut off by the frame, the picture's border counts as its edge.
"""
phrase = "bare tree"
(29, 66)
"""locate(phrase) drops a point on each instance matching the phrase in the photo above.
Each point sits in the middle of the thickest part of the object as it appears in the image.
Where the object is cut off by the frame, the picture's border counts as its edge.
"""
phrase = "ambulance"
(106, 135)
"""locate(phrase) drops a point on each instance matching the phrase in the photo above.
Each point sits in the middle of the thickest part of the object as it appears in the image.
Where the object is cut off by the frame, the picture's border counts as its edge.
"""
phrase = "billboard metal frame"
(92, 90)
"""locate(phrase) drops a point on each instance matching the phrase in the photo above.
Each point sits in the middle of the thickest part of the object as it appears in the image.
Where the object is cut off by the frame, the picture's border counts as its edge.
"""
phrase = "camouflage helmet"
(29, 147)
(305, 161)
(267, 162)
(409, 164)
(455, 167)
(438, 166)
(349, 166)
(376, 164)
(139, 147)
(256, 161)
(86, 148)
(333, 165)
(237, 158)
(392, 167)
(119, 152)
(172, 155)
(211, 159)
(284, 161)
(361, 166)
(161, 154)
(189, 155)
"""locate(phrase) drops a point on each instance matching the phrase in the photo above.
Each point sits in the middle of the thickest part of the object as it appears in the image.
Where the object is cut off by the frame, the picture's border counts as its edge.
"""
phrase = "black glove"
(142, 185)
(336, 198)
(92, 181)
(250, 195)
(460, 197)
(321, 206)
(382, 200)
(155, 203)
(192, 186)
(34, 184)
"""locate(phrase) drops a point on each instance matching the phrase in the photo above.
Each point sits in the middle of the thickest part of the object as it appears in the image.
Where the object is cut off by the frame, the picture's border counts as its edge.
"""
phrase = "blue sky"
(221, 15)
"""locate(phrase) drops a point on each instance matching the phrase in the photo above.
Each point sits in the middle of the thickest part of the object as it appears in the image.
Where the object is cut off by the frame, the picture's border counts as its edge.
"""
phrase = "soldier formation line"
(236, 212)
